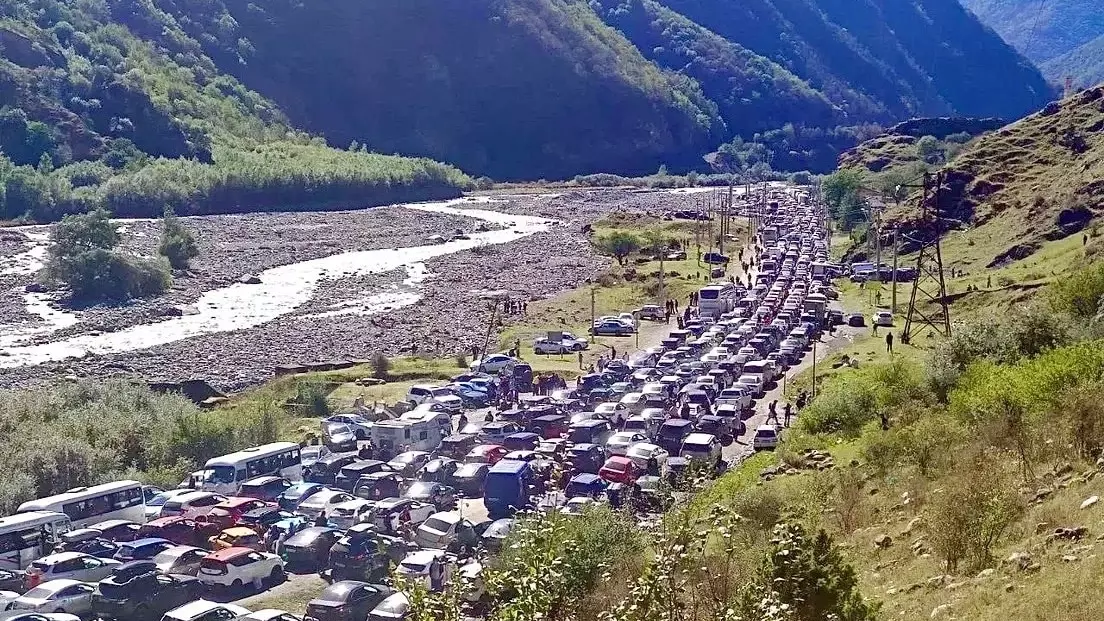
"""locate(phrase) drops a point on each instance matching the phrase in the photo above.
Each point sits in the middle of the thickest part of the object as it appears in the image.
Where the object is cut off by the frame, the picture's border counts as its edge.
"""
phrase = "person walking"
(461, 422)
(772, 412)
(889, 342)
(613, 352)
(787, 412)
(580, 361)
(278, 549)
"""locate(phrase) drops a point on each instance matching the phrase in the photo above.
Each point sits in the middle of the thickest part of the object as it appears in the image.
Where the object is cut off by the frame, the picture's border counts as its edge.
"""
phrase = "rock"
(854, 463)
(1020, 560)
(1042, 493)
(985, 573)
(936, 581)
(1072, 534)
(940, 611)
(250, 279)
(1033, 568)
(883, 541)
(1063, 469)
(1069, 558)
(913, 524)
(1041, 527)
(913, 587)
(1090, 501)
(874, 491)
(1008, 588)
(35, 287)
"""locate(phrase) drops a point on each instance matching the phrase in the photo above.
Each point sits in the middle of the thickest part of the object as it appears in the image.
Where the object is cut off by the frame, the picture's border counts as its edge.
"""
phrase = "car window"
(91, 562)
(166, 580)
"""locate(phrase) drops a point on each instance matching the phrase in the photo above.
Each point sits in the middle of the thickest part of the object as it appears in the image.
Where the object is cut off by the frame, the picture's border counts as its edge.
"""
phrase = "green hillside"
(1042, 29)
(1085, 64)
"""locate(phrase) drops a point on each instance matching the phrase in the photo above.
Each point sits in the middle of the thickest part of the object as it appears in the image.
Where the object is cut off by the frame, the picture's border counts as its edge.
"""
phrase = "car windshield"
(438, 525)
(414, 566)
(158, 500)
(42, 592)
(221, 474)
(420, 490)
(405, 458)
(467, 470)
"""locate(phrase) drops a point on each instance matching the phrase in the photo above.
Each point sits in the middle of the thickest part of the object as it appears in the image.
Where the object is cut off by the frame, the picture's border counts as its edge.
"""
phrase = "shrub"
(1080, 293)
(618, 244)
(381, 366)
(83, 256)
(971, 515)
(178, 245)
(461, 361)
(311, 397)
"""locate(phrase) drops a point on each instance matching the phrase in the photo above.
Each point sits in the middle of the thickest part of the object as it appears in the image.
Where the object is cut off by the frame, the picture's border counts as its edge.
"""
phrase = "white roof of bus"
(76, 493)
(30, 518)
(264, 449)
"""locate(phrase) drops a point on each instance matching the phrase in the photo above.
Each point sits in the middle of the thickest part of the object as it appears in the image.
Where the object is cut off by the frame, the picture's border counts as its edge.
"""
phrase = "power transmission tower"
(928, 303)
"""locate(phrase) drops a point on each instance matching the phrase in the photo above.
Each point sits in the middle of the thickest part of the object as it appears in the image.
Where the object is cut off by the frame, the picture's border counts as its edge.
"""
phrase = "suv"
(235, 567)
(766, 437)
(347, 600)
(138, 591)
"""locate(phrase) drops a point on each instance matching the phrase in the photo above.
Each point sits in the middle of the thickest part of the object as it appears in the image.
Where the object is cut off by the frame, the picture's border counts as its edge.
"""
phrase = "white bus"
(227, 473)
(27, 537)
(717, 299)
(121, 500)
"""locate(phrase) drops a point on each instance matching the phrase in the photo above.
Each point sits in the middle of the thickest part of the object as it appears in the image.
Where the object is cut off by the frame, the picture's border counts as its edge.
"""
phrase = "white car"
(72, 565)
(613, 412)
(324, 500)
(178, 505)
(63, 595)
(205, 610)
(39, 616)
(416, 565)
(766, 437)
(545, 346)
(346, 514)
(628, 319)
(634, 401)
(360, 425)
(754, 384)
(739, 396)
(425, 393)
(620, 442)
(883, 318)
(643, 452)
(153, 505)
(494, 363)
(236, 567)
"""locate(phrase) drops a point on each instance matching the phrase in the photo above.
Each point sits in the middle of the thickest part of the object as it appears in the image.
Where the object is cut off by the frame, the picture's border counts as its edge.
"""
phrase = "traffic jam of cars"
(430, 494)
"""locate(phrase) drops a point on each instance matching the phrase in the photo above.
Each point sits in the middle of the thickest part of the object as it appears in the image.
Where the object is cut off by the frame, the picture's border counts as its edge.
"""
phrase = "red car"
(486, 454)
(618, 469)
(179, 530)
(238, 506)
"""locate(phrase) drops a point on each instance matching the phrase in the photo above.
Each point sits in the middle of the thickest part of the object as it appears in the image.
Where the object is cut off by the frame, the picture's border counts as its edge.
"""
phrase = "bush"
(461, 361)
(618, 244)
(178, 245)
(83, 256)
(381, 366)
(969, 518)
(1081, 293)
(311, 397)
(854, 399)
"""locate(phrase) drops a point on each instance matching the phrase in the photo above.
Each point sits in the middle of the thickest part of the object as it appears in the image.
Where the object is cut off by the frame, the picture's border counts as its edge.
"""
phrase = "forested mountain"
(222, 105)
(1061, 36)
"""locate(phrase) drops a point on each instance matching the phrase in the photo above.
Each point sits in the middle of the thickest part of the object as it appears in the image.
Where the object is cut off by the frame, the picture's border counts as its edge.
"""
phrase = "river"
(240, 306)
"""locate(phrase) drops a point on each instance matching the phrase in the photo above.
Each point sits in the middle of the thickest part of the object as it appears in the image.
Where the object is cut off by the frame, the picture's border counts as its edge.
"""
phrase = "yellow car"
(237, 537)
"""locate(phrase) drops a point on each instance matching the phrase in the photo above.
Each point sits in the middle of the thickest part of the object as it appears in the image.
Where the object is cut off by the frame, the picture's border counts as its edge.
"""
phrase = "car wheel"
(237, 585)
(276, 577)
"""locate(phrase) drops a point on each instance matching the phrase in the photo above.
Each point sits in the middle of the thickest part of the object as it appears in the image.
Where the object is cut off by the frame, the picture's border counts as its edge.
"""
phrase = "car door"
(75, 600)
(94, 569)
(363, 600)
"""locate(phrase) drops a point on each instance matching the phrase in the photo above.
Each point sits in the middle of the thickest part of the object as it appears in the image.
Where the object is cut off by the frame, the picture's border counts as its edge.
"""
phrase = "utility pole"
(896, 248)
(593, 295)
(929, 269)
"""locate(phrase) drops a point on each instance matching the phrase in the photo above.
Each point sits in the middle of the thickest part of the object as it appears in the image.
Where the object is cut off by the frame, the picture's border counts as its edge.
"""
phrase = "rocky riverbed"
(449, 313)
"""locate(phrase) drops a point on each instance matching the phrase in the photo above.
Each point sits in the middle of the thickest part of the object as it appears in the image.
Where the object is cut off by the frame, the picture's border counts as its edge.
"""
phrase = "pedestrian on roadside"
(278, 548)
(772, 412)
(461, 422)
(875, 328)
(488, 417)
(787, 412)
(580, 361)
(889, 342)
(613, 352)
(885, 421)
(322, 520)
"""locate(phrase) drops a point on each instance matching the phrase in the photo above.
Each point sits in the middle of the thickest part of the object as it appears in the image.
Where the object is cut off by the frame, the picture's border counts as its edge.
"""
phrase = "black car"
(441, 496)
(325, 470)
(262, 517)
(364, 554)
(309, 549)
(138, 591)
(348, 475)
(347, 600)
(439, 470)
(11, 580)
(117, 530)
(856, 320)
(379, 485)
(469, 479)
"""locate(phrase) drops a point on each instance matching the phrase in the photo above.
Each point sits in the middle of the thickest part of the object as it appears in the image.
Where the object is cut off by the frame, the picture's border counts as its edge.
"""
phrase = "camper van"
(391, 437)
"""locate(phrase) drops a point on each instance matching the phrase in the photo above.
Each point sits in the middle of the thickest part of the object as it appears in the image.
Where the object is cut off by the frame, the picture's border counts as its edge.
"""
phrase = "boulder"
(1090, 501)
(250, 279)
(883, 541)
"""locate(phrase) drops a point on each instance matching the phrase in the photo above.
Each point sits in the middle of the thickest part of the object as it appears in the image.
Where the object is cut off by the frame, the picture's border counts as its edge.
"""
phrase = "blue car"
(142, 549)
(292, 496)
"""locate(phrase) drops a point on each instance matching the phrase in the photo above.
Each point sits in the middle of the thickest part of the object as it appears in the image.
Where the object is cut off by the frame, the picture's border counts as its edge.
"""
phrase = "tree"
(841, 191)
(619, 244)
(930, 149)
(178, 244)
(83, 256)
(812, 577)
